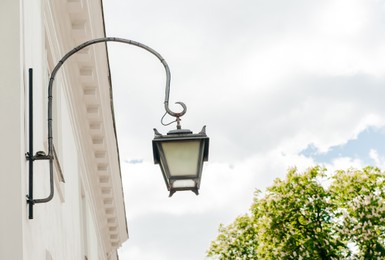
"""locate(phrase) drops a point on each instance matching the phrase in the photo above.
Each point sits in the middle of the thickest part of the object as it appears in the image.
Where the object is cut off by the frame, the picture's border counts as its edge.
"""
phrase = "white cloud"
(344, 17)
(375, 157)
(267, 77)
(343, 163)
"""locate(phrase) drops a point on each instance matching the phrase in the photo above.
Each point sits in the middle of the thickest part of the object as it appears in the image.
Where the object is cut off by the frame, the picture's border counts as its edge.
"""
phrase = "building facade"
(86, 217)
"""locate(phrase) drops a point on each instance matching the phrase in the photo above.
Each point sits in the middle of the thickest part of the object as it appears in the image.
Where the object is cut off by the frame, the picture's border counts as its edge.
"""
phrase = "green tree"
(311, 216)
(359, 196)
(236, 241)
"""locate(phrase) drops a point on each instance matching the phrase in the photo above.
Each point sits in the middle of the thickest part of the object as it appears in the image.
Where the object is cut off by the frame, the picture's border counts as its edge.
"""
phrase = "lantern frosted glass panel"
(183, 184)
(182, 157)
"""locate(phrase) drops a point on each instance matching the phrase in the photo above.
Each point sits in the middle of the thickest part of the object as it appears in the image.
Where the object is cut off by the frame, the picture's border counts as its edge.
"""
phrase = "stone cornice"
(69, 23)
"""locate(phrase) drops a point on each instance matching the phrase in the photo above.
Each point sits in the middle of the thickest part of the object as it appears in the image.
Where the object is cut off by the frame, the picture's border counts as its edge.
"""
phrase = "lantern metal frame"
(161, 159)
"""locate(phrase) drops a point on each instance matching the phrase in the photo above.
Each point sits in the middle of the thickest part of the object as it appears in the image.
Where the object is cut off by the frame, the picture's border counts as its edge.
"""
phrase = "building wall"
(12, 132)
(86, 216)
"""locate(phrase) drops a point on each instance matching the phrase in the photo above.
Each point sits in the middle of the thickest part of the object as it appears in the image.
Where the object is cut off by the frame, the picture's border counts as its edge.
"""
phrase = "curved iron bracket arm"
(50, 155)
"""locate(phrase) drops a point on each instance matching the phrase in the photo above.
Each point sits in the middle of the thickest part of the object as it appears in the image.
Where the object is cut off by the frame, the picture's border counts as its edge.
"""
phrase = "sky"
(278, 83)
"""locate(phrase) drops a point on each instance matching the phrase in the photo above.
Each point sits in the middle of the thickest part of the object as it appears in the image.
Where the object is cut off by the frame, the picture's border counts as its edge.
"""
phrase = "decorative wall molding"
(88, 89)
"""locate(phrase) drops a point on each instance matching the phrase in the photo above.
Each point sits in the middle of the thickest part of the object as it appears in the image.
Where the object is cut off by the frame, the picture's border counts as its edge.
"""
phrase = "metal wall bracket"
(40, 155)
(50, 156)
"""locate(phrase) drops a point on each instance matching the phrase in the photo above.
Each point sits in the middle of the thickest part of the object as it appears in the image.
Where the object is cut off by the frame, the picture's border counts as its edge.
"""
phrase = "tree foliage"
(311, 215)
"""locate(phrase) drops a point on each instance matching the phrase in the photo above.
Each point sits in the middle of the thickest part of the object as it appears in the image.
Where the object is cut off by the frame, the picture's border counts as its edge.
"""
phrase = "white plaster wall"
(59, 228)
(58, 225)
(11, 132)
(56, 229)
(92, 247)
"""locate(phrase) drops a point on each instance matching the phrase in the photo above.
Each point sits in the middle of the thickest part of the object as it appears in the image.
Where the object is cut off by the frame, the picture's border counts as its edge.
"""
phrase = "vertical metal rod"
(30, 177)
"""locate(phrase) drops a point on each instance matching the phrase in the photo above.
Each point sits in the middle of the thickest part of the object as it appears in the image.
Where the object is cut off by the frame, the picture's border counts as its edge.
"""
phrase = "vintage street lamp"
(180, 153)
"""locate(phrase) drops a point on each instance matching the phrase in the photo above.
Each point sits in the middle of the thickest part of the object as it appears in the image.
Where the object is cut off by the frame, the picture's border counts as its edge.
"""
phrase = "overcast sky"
(278, 83)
